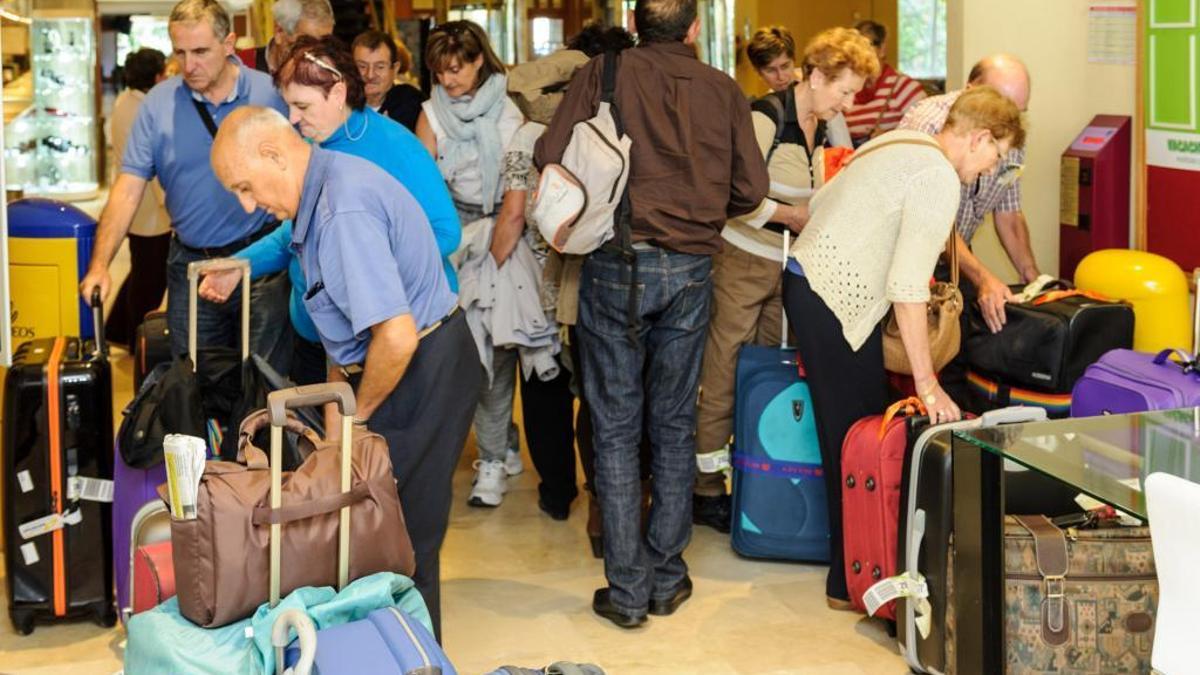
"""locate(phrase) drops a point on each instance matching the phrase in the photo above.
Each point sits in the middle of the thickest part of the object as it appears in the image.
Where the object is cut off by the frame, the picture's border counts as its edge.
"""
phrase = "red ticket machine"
(1094, 194)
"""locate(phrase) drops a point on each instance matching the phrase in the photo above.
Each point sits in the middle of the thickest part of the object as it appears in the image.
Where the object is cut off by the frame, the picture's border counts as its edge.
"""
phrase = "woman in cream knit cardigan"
(873, 238)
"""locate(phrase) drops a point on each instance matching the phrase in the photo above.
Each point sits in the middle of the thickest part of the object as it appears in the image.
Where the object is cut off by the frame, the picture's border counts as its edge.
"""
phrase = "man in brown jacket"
(694, 164)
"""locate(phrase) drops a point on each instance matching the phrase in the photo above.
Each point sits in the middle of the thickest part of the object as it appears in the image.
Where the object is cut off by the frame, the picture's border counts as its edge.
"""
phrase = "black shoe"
(715, 512)
(555, 512)
(667, 606)
(602, 605)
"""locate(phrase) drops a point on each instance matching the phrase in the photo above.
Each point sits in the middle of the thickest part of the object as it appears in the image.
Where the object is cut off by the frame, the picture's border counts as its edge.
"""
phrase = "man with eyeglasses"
(998, 193)
(380, 62)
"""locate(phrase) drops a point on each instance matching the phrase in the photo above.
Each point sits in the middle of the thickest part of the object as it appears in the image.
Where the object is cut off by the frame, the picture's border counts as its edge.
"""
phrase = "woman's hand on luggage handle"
(217, 285)
(938, 404)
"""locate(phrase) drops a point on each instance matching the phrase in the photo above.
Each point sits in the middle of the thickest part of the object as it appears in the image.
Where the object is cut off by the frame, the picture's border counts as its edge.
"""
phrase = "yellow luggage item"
(1155, 286)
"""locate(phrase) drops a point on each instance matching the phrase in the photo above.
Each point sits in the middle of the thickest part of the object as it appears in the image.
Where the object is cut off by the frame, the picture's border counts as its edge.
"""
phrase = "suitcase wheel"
(104, 614)
(22, 621)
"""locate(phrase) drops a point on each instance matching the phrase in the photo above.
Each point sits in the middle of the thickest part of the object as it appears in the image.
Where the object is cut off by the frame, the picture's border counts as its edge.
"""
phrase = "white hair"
(288, 13)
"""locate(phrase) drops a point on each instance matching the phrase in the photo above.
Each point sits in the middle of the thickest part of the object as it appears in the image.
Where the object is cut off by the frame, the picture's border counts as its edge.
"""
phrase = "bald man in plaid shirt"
(998, 193)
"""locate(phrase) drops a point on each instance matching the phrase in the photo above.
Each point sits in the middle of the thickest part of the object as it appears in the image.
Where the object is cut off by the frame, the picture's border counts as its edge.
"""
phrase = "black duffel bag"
(1047, 342)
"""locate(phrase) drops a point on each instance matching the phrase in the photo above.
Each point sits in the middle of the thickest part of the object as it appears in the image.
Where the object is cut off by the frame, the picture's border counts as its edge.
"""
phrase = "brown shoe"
(839, 605)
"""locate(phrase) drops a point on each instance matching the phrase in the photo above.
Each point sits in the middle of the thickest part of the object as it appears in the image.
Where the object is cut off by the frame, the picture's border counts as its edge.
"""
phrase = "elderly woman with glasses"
(326, 101)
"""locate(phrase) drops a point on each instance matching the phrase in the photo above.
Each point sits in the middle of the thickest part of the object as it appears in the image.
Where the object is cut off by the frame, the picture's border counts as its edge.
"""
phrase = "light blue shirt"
(170, 141)
(368, 252)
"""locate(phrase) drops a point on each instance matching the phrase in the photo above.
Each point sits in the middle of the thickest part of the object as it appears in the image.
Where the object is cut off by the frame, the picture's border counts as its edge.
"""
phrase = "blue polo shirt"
(169, 141)
(368, 252)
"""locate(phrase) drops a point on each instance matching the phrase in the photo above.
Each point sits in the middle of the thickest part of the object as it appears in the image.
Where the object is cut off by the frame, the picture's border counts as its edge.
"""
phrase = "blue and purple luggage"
(386, 642)
(779, 505)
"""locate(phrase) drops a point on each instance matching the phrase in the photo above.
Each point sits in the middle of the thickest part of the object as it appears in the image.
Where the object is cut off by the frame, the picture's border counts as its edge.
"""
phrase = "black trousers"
(846, 385)
(143, 289)
(547, 412)
(425, 421)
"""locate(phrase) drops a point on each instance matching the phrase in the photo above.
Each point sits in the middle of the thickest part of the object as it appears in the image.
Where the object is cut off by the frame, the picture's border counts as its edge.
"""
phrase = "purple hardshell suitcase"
(1125, 381)
(385, 642)
(139, 517)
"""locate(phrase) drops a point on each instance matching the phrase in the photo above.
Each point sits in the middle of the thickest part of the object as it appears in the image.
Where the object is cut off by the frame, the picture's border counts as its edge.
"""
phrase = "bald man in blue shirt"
(381, 304)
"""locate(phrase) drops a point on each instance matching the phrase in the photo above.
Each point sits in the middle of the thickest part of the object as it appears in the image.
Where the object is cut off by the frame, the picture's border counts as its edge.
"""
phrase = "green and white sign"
(1172, 98)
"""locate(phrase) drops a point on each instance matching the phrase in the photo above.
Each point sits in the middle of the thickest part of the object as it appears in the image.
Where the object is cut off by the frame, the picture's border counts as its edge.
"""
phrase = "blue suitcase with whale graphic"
(779, 507)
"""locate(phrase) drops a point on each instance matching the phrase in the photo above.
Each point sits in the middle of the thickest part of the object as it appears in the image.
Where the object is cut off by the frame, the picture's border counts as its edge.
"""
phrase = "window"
(547, 34)
(923, 38)
(495, 22)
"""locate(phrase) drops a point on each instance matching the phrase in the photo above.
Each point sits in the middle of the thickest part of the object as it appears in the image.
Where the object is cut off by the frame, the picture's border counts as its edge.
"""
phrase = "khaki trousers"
(747, 308)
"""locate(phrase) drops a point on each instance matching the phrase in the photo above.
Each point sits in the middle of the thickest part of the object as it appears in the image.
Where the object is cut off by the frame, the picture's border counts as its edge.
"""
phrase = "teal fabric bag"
(163, 641)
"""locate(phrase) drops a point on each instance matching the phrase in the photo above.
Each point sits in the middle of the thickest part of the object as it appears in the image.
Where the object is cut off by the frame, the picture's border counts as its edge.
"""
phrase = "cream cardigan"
(876, 230)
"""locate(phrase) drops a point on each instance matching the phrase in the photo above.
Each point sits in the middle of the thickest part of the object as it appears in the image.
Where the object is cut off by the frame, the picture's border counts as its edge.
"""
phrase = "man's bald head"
(261, 159)
(1006, 74)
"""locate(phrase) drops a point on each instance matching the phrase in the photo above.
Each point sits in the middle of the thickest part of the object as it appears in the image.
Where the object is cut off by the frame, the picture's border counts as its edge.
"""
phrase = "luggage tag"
(712, 462)
(25, 481)
(30, 553)
(50, 523)
(901, 586)
(89, 489)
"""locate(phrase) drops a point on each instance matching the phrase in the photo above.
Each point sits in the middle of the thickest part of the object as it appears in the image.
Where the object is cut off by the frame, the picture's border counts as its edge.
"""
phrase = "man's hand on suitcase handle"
(993, 295)
(218, 284)
(95, 278)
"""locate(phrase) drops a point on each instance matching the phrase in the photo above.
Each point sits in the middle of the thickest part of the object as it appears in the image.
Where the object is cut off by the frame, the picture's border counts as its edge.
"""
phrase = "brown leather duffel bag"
(227, 558)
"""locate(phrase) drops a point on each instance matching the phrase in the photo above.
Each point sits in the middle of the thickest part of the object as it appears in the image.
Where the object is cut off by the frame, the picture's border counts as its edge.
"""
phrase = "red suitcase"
(153, 575)
(872, 473)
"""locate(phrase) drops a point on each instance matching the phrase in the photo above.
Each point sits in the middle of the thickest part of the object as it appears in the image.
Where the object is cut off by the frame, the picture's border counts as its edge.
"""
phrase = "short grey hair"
(192, 11)
(288, 13)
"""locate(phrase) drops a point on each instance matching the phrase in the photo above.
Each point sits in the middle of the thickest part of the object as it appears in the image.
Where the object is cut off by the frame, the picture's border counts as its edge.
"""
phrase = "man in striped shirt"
(998, 193)
(882, 103)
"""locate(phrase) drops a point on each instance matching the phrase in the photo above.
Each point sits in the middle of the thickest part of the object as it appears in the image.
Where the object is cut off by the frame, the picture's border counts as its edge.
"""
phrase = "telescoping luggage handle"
(194, 270)
(278, 403)
(98, 322)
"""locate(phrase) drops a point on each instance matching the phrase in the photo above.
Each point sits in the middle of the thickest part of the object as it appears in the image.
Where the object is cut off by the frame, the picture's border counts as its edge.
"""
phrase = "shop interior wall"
(805, 18)
(1051, 37)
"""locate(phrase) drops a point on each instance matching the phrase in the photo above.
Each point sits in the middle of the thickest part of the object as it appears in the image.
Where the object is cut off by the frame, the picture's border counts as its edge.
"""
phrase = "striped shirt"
(985, 195)
(881, 105)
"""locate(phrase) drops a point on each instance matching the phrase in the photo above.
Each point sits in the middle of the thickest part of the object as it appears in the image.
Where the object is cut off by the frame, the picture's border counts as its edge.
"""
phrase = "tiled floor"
(517, 588)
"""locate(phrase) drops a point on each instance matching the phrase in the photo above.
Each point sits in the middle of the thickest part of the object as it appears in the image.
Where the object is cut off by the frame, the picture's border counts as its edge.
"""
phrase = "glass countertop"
(1106, 457)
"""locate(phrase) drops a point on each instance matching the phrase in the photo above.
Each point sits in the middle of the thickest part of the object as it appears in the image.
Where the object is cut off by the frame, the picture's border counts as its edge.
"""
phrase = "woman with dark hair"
(326, 102)
(150, 233)
(468, 124)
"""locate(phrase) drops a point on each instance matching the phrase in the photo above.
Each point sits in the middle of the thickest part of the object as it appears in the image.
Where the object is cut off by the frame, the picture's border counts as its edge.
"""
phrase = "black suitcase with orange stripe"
(57, 473)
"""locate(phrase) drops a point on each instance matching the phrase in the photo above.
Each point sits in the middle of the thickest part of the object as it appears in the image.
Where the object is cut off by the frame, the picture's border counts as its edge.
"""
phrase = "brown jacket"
(695, 161)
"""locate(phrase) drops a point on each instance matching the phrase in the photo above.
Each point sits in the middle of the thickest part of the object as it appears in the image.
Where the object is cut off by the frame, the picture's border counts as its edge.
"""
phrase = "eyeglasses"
(1007, 172)
(321, 63)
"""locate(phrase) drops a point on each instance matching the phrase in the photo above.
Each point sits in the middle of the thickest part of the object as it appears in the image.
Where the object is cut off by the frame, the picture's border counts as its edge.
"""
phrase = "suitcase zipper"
(54, 423)
(1085, 577)
(412, 637)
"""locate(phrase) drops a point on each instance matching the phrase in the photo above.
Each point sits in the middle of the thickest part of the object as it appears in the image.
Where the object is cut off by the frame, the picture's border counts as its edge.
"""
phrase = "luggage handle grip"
(1013, 415)
(194, 269)
(306, 634)
(1186, 360)
(278, 403)
(97, 305)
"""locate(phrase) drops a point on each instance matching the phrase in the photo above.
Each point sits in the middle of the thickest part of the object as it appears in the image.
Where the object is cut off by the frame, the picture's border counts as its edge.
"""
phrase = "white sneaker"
(491, 482)
(512, 462)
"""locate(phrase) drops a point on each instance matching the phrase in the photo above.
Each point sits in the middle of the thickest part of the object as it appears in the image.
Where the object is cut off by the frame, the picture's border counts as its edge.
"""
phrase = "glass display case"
(51, 147)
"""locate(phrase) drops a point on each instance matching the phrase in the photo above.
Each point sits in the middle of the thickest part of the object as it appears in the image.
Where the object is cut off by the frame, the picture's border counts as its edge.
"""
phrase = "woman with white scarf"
(468, 124)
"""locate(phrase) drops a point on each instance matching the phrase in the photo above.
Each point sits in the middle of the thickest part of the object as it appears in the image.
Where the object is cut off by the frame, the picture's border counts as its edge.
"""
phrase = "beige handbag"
(945, 332)
(250, 514)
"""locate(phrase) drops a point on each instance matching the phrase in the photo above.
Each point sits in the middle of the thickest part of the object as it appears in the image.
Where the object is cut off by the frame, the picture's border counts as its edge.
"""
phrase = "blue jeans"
(659, 372)
(219, 324)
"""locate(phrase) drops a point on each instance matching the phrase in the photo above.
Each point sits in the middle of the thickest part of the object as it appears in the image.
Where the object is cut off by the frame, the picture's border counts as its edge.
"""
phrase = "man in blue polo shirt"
(171, 140)
(380, 301)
